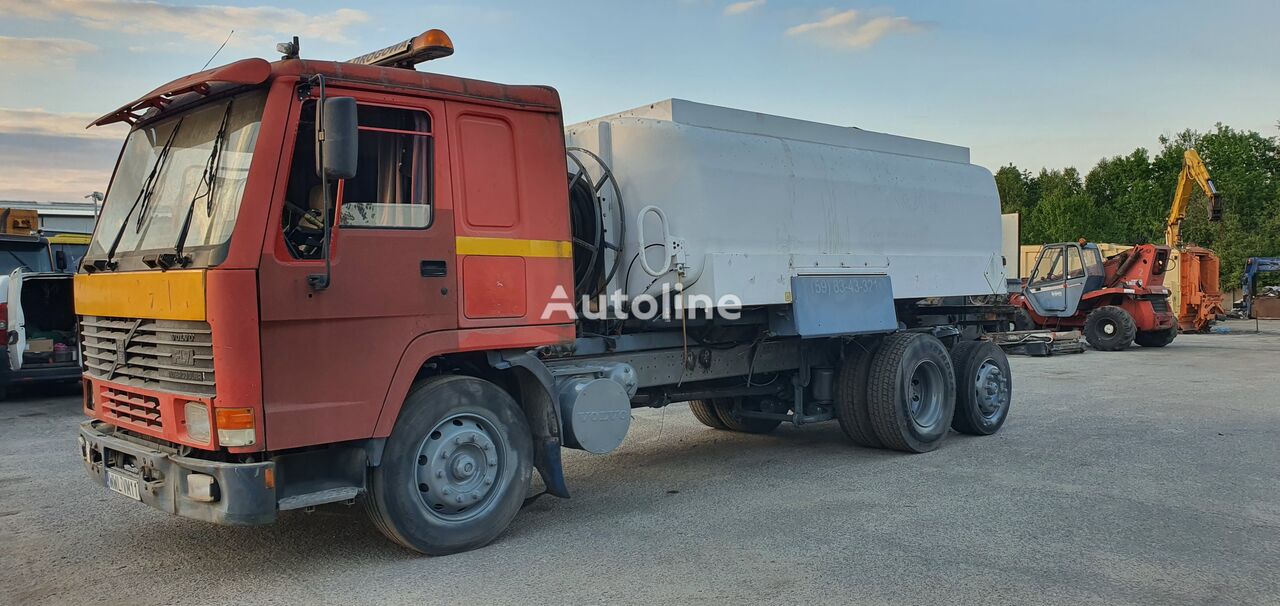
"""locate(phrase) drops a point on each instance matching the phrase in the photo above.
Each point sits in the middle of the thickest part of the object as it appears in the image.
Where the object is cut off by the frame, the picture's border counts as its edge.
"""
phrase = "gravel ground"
(1145, 476)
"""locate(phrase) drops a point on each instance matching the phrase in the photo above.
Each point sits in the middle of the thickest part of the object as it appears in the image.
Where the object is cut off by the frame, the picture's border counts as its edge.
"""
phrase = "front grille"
(167, 355)
(131, 407)
(1160, 305)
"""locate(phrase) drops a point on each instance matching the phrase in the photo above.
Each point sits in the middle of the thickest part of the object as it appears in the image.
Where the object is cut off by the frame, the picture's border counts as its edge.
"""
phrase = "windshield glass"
(154, 190)
(29, 257)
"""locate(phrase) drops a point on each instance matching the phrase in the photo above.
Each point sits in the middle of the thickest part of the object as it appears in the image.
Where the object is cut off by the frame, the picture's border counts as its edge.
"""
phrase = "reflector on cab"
(431, 44)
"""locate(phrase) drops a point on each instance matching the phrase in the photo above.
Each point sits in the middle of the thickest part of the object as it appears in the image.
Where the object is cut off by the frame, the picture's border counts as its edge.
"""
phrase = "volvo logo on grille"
(183, 357)
(182, 337)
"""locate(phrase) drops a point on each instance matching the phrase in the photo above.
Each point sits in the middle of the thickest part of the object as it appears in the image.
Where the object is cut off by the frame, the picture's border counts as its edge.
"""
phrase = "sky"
(1034, 83)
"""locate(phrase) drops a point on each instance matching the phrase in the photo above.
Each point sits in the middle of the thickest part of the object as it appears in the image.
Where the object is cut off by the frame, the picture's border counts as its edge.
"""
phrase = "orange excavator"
(1194, 293)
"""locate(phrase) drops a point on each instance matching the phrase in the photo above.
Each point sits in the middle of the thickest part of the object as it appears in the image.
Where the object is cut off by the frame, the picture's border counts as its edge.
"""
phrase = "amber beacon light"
(431, 44)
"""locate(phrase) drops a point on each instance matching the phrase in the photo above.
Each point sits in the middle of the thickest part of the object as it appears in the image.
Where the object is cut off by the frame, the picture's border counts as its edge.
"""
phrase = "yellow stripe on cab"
(157, 295)
(512, 247)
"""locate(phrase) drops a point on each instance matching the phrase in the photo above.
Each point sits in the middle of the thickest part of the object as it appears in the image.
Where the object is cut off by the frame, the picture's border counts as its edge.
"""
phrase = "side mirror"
(340, 144)
(60, 260)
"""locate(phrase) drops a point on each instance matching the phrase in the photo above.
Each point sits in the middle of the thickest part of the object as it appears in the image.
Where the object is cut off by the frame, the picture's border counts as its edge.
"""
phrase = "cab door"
(329, 355)
(1058, 281)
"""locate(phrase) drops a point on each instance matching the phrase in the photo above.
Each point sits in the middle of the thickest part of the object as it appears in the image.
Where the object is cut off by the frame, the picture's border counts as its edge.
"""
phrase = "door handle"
(433, 269)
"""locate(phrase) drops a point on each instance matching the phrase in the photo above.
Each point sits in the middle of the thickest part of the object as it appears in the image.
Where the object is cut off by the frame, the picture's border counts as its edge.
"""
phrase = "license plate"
(124, 485)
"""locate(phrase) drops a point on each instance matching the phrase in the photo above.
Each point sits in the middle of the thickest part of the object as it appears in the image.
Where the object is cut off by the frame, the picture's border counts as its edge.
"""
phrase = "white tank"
(750, 200)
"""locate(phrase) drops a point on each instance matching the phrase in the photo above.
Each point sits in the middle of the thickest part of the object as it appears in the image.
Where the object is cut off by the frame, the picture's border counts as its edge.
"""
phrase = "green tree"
(1126, 199)
(1011, 183)
(1063, 211)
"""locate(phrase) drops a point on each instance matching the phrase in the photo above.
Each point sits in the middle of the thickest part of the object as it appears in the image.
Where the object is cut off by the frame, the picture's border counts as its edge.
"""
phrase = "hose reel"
(598, 222)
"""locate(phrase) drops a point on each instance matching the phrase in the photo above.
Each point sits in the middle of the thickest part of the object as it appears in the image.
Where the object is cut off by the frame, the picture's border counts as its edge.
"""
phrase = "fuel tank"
(731, 202)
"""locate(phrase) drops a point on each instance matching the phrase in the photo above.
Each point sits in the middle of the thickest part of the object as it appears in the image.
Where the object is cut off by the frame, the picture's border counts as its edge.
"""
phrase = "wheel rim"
(459, 464)
(1108, 328)
(991, 388)
(924, 395)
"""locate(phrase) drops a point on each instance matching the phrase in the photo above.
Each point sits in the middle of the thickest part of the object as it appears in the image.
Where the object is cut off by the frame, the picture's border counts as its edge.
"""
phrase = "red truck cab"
(201, 355)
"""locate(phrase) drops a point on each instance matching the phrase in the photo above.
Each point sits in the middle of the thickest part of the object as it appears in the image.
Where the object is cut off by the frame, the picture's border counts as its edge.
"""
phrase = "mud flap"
(544, 416)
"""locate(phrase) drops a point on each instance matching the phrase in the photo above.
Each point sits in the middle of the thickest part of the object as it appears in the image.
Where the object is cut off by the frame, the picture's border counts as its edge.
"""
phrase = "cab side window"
(1049, 268)
(1074, 267)
(302, 219)
(392, 186)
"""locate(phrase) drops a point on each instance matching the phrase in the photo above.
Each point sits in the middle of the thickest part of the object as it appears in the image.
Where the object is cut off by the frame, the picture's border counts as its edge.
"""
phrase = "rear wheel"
(735, 422)
(456, 467)
(911, 392)
(1110, 328)
(705, 412)
(984, 388)
(1156, 338)
(851, 397)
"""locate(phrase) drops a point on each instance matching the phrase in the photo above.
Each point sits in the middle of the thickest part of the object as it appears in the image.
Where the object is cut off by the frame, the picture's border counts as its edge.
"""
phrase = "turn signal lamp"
(431, 44)
(235, 426)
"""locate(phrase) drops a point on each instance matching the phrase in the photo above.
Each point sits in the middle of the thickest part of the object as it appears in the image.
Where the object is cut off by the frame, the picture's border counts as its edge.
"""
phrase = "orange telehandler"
(1117, 302)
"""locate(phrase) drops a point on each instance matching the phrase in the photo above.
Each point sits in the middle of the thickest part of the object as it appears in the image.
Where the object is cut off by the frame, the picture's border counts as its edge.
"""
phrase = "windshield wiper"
(144, 198)
(210, 182)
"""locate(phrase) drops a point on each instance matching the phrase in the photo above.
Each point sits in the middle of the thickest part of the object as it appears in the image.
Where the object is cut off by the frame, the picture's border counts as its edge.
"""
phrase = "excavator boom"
(1193, 173)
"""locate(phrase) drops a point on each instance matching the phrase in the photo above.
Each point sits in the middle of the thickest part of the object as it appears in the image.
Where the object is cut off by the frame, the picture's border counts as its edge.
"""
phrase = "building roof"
(64, 209)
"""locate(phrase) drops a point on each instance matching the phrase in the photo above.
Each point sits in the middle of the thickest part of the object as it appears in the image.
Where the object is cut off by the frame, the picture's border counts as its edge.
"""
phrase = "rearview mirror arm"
(321, 281)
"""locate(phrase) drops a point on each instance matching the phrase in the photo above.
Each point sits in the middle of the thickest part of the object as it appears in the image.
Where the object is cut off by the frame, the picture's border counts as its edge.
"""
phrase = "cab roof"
(249, 72)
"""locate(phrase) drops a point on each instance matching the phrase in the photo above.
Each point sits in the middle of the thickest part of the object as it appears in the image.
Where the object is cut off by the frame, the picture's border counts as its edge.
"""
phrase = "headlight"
(197, 417)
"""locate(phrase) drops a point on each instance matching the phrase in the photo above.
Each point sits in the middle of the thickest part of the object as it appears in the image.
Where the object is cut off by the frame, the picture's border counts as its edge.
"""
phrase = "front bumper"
(244, 493)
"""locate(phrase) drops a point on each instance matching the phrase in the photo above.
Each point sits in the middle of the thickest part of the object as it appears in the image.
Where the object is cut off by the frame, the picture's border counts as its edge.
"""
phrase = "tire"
(733, 422)
(851, 398)
(984, 388)
(1022, 320)
(911, 392)
(457, 438)
(1110, 328)
(1156, 338)
(705, 412)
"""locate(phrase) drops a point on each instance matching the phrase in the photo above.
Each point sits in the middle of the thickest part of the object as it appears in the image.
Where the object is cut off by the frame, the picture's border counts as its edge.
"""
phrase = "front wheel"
(456, 467)
(1021, 320)
(1110, 328)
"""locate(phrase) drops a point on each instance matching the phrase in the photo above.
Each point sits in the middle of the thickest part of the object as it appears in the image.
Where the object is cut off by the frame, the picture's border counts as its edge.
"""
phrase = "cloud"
(848, 30)
(53, 124)
(738, 8)
(32, 52)
(210, 23)
(49, 156)
(55, 168)
(52, 184)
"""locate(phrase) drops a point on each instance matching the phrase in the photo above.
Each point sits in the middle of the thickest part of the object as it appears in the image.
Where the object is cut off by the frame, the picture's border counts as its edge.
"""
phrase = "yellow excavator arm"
(1193, 173)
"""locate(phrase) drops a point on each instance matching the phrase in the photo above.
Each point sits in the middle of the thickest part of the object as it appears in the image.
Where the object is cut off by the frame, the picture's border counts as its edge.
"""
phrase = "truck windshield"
(184, 173)
(26, 256)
